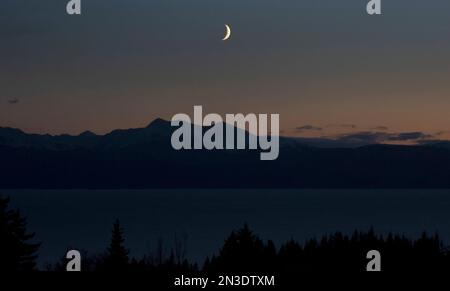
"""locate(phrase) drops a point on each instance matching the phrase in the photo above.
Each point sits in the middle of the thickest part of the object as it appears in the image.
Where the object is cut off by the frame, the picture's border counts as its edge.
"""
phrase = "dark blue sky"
(123, 63)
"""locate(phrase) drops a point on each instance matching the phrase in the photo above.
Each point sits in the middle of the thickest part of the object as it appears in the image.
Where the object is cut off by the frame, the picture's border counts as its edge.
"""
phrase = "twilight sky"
(325, 66)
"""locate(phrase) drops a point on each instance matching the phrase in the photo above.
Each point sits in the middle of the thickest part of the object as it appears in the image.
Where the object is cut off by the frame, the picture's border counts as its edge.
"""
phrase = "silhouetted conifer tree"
(117, 255)
(244, 251)
(17, 253)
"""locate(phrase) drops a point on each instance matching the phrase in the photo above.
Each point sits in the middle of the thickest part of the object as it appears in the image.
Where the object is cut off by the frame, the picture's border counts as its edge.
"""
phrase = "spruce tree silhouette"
(243, 251)
(117, 255)
(16, 252)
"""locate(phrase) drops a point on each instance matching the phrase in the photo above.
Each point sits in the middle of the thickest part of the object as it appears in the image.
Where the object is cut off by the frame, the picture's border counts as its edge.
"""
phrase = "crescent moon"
(228, 32)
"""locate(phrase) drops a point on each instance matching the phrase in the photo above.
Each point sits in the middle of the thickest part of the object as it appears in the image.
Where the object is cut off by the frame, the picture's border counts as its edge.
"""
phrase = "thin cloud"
(308, 127)
(408, 136)
(373, 137)
(13, 101)
(344, 125)
(446, 132)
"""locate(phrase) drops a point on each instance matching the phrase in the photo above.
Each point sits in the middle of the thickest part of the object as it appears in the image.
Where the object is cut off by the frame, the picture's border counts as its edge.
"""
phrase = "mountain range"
(144, 158)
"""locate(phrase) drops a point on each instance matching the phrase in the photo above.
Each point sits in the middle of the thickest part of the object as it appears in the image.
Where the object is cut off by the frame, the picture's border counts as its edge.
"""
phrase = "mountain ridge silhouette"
(144, 158)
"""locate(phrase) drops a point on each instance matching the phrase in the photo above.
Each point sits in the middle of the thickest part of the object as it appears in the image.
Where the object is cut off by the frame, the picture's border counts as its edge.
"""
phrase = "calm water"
(82, 219)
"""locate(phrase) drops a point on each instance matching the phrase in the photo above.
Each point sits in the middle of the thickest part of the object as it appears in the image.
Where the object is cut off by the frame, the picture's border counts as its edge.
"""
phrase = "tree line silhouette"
(242, 251)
